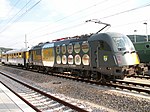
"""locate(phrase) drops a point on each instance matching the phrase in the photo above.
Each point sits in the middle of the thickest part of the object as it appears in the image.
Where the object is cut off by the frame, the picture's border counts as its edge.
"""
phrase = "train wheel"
(101, 79)
(119, 77)
(46, 70)
(86, 74)
(98, 77)
(38, 69)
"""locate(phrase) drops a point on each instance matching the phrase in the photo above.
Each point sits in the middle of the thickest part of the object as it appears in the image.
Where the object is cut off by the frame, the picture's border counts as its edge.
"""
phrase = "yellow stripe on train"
(135, 58)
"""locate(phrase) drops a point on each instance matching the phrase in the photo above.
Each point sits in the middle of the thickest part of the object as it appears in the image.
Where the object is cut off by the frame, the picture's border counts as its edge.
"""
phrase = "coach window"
(14, 55)
(20, 55)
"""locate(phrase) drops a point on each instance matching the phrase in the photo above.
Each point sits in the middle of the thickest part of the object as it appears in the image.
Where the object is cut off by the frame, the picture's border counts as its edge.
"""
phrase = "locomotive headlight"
(108, 68)
(119, 59)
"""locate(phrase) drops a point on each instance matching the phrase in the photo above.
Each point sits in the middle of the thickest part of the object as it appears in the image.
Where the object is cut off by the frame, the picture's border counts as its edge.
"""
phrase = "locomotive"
(99, 57)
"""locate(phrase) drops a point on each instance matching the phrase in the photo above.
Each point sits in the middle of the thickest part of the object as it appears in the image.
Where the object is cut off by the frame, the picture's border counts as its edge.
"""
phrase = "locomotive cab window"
(104, 46)
(123, 43)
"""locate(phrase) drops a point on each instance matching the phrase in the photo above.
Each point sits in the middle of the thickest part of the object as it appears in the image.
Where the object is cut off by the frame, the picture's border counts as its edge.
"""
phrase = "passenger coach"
(16, 57)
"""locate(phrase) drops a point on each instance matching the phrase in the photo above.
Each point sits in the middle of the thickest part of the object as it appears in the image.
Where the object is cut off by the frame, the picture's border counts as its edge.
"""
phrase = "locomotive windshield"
(123, 43)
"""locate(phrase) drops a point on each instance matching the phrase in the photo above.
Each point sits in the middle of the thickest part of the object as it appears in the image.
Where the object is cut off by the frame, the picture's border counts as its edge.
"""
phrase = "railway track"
(118, 84)
(140, 76)
(39, 100)
(131, 86)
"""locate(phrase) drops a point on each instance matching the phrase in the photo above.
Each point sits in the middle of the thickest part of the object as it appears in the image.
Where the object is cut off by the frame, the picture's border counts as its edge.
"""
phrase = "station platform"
(9, 102)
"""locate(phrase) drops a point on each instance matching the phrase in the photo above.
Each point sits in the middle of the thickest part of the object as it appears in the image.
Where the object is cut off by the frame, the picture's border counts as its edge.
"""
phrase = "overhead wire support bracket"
(99, 22)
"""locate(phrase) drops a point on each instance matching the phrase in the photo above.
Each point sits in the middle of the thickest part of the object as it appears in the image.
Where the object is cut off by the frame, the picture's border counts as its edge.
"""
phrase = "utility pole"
(0, 53)
(25, 41)
(135, 35)
(145, 23)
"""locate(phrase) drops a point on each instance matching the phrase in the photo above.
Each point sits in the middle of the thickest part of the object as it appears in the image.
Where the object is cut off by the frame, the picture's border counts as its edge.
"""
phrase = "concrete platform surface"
(9, 102)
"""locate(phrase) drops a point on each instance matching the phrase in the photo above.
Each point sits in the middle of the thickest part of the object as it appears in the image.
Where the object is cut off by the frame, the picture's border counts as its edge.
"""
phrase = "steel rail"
(47, 95)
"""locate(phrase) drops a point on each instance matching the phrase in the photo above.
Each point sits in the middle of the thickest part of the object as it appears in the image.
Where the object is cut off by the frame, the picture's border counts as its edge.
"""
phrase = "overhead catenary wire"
(27, 11)
(118, 4)
(115, 14)
(72, 14)
(17, 19)
(135, 22)
(66, 28)
(11, 19)
(100, 18)
(53, 32)
(16, 3)
(106, 16)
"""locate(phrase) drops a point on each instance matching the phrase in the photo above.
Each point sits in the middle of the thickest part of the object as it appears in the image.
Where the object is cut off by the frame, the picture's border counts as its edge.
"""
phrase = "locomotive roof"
(39, 46)
(104, 36)
(66, 40)
(74, 39)
(48, 45)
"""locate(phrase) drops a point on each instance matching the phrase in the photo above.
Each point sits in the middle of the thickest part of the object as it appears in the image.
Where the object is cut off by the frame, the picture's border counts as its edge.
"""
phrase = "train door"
(7, 57)
(24, 58)
(94, 58)
(104, 55)
(30, 57)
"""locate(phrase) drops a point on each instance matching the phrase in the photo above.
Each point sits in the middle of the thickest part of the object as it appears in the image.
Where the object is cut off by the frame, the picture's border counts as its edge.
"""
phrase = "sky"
(47, 20)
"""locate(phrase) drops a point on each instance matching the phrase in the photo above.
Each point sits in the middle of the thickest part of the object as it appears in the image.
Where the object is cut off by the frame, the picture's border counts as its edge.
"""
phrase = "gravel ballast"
(101, 99)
